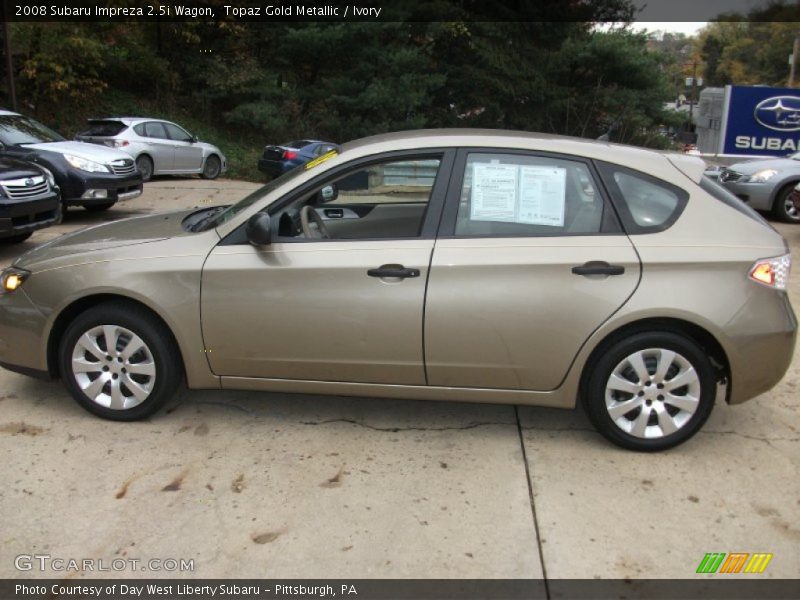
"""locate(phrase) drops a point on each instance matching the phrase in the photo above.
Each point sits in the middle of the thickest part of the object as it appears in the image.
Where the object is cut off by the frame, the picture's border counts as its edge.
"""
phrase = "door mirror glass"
(328, 194)
(194, 139)
(259, 229)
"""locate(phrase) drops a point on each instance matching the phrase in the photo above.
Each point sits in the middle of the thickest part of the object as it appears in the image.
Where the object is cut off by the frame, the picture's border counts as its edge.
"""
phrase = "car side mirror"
(259, 229)
(194, 139)
(328, 194)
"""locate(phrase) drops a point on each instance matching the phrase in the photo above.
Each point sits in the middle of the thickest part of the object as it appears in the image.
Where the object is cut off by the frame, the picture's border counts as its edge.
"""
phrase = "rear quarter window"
(645, 203)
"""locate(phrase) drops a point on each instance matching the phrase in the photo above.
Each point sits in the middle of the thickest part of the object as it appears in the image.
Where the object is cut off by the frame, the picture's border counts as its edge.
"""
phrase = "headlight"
(12, 278)
(762, 176)
(86, 165)
(49, 175)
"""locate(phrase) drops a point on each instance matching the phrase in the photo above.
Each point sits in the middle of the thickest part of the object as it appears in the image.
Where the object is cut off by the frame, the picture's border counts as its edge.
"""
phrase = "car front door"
(187, 155)
(344, 309)
(529, 261)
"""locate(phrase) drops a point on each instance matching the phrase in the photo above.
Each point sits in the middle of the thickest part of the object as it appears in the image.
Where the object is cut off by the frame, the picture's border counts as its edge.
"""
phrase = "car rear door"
(159, 146)
(529, 261)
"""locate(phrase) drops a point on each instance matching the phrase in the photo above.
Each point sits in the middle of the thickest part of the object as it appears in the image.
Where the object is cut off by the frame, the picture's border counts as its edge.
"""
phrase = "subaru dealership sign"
(760, 121)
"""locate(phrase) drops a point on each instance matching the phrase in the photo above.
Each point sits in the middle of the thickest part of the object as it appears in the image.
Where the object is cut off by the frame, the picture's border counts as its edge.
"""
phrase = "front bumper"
(757, 195)
(22, 328)
(18, 217)
(117, 187)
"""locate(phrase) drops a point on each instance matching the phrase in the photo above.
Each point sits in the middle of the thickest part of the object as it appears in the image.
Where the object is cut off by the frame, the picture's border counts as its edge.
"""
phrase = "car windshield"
(16, 129)
(232, 211)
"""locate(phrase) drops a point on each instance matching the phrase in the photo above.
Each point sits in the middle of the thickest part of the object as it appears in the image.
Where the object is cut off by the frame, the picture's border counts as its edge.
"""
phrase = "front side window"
(385, 200)
(176, 133)
(517, 195)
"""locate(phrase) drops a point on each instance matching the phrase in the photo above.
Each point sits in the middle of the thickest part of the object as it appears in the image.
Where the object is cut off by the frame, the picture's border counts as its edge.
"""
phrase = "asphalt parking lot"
(279, 486)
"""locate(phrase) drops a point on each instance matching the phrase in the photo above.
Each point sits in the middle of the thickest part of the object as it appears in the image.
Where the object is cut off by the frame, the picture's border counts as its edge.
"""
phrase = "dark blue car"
(278, 159)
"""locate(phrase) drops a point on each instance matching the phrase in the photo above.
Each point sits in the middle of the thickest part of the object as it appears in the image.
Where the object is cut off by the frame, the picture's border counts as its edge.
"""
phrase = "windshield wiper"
(210, 214)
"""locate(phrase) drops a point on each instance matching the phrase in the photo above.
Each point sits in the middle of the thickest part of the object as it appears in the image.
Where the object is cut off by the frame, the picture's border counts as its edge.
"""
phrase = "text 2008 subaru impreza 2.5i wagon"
(466, 265)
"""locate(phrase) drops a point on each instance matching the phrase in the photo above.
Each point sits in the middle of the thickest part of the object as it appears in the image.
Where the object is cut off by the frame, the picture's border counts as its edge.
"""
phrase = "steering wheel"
(307, 215)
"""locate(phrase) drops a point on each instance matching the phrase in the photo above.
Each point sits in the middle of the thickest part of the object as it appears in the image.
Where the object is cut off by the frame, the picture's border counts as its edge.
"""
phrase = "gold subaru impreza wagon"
(466, 265)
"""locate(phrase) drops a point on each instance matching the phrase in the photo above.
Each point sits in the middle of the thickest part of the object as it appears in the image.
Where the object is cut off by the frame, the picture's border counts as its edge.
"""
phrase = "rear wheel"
(16, 239)
(145, 166)
(212, 168)
(118, 362)
(100, 206)
(650, 391)
(784, 208)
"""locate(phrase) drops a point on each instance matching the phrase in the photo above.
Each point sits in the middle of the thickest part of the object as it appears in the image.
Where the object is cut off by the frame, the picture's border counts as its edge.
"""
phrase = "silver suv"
(158, 147)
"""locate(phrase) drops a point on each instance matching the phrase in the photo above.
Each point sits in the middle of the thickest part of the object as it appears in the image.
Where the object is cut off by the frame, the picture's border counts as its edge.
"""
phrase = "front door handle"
(398, 271)
(598, 267)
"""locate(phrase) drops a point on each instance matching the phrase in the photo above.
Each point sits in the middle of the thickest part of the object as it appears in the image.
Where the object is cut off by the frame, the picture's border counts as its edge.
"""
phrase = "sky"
(688, 28)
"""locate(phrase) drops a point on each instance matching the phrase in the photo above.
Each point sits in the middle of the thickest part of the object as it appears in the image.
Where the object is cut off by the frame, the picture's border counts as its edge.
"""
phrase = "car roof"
(648, 161)
(131, 120)
(5, 112)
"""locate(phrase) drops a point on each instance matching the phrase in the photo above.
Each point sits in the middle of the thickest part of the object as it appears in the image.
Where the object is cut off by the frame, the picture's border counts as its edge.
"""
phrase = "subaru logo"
(28, 182)
(779, 113)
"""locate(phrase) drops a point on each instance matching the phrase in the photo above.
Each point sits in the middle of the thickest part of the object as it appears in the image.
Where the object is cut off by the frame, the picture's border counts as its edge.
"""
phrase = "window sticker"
(494, 192)
(542, 195)
(532, 195)
(321, 159)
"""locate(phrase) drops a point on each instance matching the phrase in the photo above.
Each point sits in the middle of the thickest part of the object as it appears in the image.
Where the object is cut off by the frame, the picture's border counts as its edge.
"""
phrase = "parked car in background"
(489, 266)
(795, 198)
(159, 147)
(765, 184)
(29, 199)
(95, 178)
(277, 160)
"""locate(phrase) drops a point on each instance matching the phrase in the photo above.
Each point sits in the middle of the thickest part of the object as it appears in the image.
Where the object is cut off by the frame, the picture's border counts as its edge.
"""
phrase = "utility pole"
(795, 51)
(12, 92)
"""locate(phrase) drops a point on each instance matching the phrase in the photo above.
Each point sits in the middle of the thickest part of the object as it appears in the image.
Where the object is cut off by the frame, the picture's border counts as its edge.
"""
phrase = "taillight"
(289, 155)
(772, 272)
(120, 143)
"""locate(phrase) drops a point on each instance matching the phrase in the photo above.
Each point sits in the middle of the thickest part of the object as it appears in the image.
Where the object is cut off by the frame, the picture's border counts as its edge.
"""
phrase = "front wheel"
(784, 208)
(212, 168)
(650, 391)
(118, 362)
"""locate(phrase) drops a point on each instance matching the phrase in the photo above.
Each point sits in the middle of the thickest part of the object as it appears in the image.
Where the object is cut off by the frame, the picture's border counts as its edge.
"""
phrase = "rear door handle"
(598, 267)
(398, 271)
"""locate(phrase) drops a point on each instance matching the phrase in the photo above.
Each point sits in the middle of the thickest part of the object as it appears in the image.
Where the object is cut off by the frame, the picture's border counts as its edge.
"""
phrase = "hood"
(12, 168)
(93, 240)
(754, 166)
(100, 154)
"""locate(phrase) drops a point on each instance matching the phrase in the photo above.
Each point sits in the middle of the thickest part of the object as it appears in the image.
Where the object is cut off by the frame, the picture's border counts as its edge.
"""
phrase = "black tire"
(211, 168)
(145, 165)
(163, 353)
(16, 239)
(780, 210)
(99, 206)
(614, 355)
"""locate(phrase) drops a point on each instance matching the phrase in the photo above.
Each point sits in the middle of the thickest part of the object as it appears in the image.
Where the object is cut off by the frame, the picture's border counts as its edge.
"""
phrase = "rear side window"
(154, 129)
(646, 204)
(104, 128)
(520, 195)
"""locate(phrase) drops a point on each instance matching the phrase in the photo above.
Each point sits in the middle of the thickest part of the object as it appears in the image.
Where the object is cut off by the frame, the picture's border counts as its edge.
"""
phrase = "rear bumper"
(20, 217)
(761, 344)
(272, 167)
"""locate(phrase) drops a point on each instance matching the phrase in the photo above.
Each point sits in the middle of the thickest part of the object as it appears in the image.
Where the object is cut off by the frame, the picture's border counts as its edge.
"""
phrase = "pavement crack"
(398, 429)
(755, 438)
